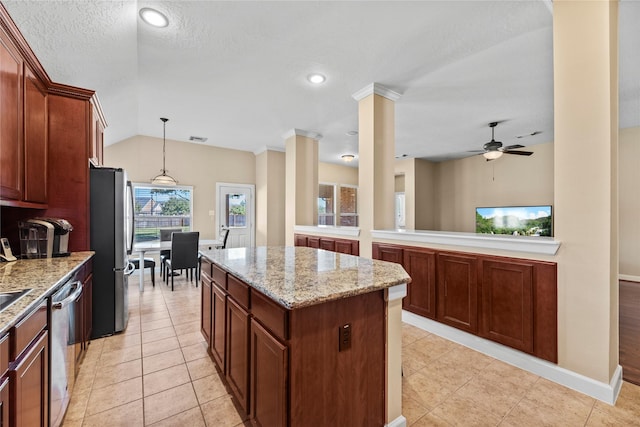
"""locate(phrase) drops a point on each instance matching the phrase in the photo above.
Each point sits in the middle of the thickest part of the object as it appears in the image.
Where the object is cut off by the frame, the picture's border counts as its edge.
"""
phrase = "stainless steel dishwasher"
(63, 356)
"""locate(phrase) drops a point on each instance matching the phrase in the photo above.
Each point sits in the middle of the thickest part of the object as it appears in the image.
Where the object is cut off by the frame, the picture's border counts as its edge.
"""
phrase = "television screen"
(515, 220)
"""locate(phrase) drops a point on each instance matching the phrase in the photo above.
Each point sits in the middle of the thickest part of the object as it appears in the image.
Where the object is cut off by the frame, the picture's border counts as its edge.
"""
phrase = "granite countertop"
(297, 277)
(41, 275)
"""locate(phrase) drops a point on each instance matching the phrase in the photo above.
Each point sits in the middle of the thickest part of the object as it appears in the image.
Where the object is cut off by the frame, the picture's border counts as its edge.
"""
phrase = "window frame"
(136, 185)
(355, 214)
(332, 215)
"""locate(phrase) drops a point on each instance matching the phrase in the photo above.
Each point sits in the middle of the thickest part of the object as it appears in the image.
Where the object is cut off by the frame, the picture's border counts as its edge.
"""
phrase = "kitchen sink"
(8, 298)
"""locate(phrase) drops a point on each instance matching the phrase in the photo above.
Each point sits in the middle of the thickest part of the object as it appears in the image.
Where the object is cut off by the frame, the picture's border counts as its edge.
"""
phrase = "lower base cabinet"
(511, 301)
(4, 402)
(237, 371)
(285, 367)
(269, 368)
(30, 385)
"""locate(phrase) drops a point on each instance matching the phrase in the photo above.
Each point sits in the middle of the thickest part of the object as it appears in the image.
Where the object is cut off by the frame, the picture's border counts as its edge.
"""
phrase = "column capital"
(299, 132)
(378, 89)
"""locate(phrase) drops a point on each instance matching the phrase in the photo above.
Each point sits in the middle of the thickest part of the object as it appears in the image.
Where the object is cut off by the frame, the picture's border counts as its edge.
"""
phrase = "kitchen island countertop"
(43, 276)
(297, 277)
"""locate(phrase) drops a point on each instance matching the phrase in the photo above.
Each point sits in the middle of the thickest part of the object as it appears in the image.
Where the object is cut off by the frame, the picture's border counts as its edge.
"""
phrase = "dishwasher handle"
(70, 299)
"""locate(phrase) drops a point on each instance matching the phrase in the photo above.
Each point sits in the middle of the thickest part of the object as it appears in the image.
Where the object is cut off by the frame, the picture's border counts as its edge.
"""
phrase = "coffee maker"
(44, 237)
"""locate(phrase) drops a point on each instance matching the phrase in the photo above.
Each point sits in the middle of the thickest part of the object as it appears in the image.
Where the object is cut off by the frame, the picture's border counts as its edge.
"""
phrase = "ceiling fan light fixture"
(153, 17)
(163, 178)
(492, 155)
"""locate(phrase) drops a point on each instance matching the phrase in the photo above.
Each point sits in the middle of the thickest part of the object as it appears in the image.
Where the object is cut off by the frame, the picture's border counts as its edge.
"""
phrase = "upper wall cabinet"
(10, 120)
(23, 130)
(35, 139)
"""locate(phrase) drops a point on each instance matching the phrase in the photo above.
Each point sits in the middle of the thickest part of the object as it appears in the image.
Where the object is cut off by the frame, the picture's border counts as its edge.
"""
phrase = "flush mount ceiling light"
(316, 78)
(163, 178)
(153, 17)
(348, 157)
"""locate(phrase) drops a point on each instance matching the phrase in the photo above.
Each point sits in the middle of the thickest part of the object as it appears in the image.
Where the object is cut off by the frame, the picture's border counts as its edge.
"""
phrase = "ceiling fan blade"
(519, 153)
(513, 147)
(475, 151)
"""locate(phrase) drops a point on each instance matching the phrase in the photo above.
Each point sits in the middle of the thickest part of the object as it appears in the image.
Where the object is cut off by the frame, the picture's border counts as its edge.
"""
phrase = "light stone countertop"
(43, 276)
(297, 277)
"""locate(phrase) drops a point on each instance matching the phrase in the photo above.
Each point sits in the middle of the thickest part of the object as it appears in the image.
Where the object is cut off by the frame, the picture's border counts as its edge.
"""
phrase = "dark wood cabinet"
(421, 292)
(205, 309)
(237, 352)
(506, 298)
(35, 139)
(458, 291)
(511, 301)
(88, 307)
(11, 115)
(30, 385)
(269, 377)
(4, 402)
(218, 326)
(343, 246)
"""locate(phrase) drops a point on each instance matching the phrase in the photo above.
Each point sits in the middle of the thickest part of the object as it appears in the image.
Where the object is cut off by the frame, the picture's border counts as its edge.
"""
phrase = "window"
(326, 204)
(400, 210)
(236, 210)
(348, 206)
(157, 207)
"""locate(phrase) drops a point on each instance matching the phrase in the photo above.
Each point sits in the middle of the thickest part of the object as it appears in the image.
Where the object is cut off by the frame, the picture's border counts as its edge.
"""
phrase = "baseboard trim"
(607, 393)
(629, 277)
(398, 422)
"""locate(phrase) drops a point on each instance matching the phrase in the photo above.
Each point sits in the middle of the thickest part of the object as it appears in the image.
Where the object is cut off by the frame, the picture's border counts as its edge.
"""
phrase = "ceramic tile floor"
(158, 373)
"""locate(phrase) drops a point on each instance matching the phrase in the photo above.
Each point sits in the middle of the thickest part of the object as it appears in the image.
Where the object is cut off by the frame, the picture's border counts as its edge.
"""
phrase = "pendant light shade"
(163, 178)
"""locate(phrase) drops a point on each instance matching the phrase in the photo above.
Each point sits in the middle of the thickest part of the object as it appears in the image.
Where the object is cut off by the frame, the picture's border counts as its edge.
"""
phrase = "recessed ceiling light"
(316, 78)
(153, 17)
(348, 157)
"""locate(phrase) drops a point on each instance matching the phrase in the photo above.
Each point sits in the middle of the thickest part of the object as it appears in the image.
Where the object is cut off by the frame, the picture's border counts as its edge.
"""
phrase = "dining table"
(156, 246)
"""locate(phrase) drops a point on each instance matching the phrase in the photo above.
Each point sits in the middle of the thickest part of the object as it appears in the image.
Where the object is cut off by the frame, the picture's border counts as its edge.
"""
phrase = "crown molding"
(269, 148)
(378, 89)
(299, 132)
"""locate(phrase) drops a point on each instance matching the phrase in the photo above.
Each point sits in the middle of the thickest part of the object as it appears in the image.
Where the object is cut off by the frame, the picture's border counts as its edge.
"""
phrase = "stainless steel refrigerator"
(112, 240)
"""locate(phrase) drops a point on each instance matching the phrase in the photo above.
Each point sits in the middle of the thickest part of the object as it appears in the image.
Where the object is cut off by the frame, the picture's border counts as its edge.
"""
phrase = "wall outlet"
(212, 213)
(344, 337)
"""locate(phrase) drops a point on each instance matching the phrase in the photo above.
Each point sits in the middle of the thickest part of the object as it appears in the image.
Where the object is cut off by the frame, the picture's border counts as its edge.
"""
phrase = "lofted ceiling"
(235, 71)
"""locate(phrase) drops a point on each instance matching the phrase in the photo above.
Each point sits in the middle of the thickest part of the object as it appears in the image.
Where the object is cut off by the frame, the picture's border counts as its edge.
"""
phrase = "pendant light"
(163, 178)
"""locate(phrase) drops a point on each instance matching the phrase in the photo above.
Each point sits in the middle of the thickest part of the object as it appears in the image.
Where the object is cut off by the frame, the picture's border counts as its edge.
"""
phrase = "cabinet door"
(300, 240)
(458, 291)
(30, 386)
(421, 292)
(205, 310)
(10, 121)
(35, 139)
(328, 244)
(4, 403)
(269, 378)
(237, 371)
(388, 253)
(96, 139)
(344, 247)
(218, 325)
(506, 314)
(313, 242)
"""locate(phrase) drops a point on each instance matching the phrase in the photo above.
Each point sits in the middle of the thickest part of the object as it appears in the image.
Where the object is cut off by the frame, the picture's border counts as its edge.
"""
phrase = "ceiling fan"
(494, 150)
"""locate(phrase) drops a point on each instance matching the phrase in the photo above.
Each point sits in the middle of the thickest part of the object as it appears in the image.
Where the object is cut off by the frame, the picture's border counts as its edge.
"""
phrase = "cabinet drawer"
(270, 314)
(219, 276)
(205, 267)
(238, 291)
(28, 329)
(4, 354)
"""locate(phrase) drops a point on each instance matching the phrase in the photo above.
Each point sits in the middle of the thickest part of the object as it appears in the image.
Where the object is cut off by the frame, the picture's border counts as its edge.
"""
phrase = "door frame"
(252, 213)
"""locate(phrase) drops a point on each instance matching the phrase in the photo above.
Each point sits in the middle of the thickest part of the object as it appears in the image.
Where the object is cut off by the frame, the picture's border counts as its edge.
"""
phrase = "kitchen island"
(306, 336)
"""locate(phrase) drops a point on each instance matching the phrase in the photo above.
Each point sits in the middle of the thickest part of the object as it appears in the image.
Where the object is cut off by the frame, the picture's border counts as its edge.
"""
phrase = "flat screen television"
(515, 220)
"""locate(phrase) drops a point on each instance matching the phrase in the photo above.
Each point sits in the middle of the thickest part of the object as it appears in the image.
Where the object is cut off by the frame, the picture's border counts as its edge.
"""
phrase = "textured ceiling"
(235, 72)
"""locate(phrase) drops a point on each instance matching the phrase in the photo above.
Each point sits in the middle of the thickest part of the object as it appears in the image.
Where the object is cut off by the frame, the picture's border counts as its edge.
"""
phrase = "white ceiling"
(235, 72)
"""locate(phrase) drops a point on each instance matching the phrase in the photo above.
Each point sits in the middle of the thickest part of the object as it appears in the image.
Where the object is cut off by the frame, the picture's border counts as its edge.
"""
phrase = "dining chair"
(165, 254)
(184, 254)
(149, 263)
(225, 236)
